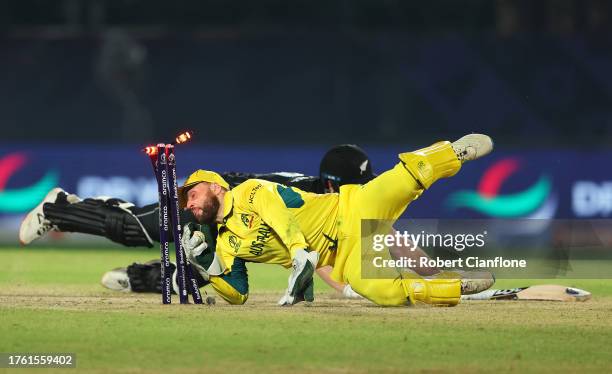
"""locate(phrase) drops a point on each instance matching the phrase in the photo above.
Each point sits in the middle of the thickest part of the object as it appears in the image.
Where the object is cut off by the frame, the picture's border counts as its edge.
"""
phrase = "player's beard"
(209, 209)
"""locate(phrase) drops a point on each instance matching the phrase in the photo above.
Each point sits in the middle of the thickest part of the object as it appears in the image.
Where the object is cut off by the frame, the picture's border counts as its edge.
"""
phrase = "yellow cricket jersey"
(267, 222)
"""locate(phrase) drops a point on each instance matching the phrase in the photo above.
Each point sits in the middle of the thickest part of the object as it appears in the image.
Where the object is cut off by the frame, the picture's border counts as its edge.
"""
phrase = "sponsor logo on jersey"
(253, 192)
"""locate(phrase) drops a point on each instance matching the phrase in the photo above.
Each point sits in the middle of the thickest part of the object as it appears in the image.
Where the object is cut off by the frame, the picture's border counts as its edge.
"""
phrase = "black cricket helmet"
(345, 164)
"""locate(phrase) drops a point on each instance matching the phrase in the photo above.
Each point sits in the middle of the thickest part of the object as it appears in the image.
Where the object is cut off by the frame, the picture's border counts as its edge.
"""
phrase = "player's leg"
(408, 288)
(108, 217)
(35, 224)
(148, 216)
(115, 219)
(400, 290)
(388, 195)
(472, 281)
(385, 198)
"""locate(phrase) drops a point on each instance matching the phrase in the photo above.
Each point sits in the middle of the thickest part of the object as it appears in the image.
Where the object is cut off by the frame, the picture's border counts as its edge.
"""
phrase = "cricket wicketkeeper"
(131, 225)
(262, 221)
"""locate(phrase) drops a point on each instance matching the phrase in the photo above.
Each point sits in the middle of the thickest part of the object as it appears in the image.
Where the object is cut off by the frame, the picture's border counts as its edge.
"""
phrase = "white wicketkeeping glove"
(300, 281)
(194, 243)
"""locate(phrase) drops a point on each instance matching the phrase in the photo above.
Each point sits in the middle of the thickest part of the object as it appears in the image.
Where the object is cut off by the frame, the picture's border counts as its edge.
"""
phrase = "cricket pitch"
(51, 301)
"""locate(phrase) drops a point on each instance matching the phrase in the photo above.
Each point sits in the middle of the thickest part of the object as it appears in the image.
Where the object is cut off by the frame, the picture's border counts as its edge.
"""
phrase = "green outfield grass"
(51, 301)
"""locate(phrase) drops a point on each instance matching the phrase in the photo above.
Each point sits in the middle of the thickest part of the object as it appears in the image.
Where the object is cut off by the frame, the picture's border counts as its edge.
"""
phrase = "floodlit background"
(270, 85)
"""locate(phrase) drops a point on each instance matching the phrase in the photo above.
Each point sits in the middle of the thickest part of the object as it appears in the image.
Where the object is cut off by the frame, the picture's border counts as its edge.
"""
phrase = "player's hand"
(300, 280)
(146, 277)
(306, 295)
(194, 244)
(348, 293)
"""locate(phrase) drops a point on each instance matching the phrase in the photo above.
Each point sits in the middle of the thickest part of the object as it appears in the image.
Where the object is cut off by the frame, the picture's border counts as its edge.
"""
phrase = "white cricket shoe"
(117, 280)
(35, 225)
(472, 146)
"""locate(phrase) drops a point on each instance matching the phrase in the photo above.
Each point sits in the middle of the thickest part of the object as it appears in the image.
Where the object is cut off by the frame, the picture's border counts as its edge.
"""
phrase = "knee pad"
(438, 292)
(429, 164)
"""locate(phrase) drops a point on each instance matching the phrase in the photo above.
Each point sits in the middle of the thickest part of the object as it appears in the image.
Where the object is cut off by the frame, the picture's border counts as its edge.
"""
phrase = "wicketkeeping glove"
(300, 281)
(194, 244)
(306, 295)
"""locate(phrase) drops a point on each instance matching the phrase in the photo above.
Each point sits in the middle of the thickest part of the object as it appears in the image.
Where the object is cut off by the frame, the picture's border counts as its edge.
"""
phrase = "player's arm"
(272, 202)
(274, 211)
(324, 273)
(233, 287)
(343, 288)
(230, 279)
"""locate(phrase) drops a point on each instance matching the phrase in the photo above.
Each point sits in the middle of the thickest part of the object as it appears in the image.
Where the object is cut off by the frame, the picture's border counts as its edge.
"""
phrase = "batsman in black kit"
(133, 226)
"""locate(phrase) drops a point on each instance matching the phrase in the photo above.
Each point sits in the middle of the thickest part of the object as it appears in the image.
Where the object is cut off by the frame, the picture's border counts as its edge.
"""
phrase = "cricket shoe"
(300, 280)
(35, 225)
(475, 281)
(472, 281)
(117, 280)
(472, 146)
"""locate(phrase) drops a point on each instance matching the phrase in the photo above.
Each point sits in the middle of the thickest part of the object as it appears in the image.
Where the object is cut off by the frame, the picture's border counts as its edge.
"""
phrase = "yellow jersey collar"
(228, 205)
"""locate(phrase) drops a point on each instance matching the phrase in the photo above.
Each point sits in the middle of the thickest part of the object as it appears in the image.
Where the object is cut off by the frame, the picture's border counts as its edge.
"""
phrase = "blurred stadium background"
(270, 85)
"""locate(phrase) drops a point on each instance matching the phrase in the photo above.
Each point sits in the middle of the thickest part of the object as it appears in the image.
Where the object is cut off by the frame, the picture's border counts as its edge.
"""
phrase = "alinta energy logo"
(535, 202)
(21, 200)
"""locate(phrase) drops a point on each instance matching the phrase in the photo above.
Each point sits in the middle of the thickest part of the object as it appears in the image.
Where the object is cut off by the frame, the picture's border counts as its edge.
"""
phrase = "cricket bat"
(544, 292)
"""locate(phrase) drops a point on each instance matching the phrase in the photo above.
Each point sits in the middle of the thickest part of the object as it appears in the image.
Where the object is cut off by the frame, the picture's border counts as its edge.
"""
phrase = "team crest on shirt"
(234, 243)
(247, 219)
